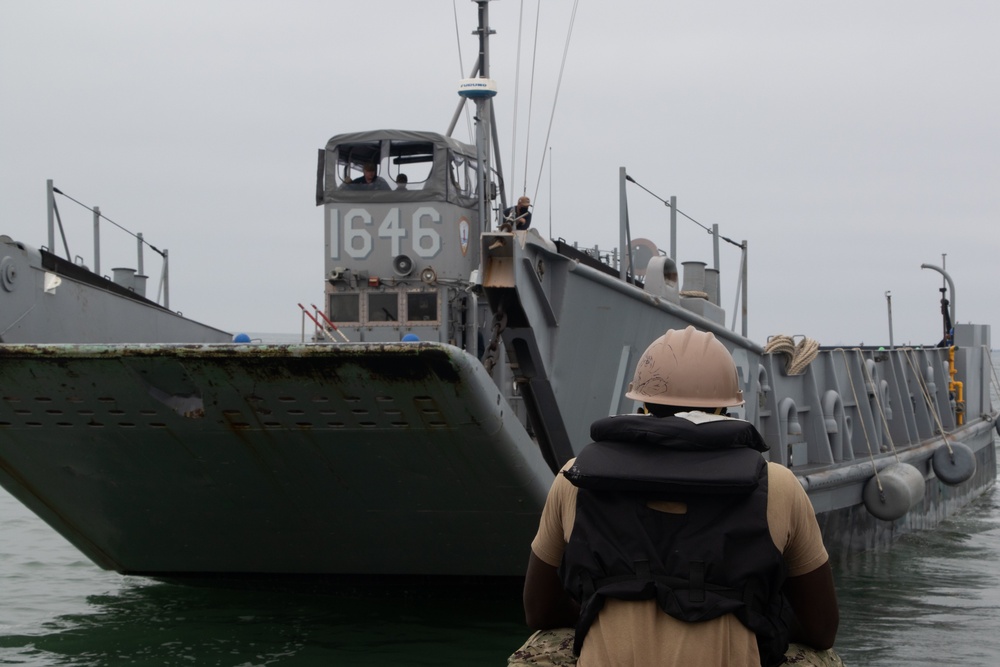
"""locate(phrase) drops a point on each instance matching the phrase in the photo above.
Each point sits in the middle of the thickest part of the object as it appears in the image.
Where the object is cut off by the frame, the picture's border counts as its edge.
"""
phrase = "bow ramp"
(279, 459)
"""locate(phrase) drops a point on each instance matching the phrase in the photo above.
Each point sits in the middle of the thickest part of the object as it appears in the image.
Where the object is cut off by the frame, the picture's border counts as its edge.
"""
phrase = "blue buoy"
(241, 338)
(410, 338)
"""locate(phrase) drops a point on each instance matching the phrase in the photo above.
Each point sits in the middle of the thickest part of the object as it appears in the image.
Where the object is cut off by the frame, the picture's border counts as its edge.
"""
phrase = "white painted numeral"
(334, 236)
(357, 236)
(353, 234)
(391, 229)
(426, 241)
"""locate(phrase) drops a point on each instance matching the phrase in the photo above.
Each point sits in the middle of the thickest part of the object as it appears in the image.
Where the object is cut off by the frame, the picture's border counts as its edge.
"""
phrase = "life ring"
(902, 489)
(954, 466)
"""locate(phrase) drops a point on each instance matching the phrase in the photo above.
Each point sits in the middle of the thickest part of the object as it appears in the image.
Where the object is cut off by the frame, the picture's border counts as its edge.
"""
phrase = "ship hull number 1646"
(357, 232)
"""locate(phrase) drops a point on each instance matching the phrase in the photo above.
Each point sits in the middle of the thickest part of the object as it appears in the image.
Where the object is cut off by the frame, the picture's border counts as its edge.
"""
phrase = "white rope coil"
(798, 355)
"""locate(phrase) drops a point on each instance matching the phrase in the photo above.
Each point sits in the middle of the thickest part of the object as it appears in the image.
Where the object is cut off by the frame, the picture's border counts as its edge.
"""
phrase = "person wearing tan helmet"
(670, 540)
(520, 215)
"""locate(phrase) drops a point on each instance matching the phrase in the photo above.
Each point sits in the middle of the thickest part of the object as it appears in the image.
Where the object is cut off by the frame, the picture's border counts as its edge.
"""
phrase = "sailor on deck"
(520, 215)
(670, 540)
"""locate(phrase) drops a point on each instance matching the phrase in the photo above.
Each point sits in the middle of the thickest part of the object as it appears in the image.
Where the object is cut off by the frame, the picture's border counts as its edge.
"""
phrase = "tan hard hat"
(686, 368)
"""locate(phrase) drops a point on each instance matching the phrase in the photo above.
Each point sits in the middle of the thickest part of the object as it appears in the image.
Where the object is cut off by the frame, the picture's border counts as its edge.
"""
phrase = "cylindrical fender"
(902, 488)
(955, 466)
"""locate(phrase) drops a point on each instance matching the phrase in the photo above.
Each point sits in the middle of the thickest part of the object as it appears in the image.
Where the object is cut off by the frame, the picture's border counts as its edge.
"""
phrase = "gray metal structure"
(434, 457)
(47, 299)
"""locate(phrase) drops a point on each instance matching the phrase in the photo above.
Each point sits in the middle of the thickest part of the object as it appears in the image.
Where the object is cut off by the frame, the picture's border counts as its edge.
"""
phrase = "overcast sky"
(848, 142)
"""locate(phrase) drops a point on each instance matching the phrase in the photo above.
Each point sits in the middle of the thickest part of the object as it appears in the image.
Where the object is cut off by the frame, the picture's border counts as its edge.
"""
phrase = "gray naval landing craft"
(46, 298)
(364, 453)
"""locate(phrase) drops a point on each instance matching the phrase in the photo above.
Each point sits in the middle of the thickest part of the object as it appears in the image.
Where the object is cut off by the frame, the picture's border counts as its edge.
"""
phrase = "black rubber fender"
(956, 465)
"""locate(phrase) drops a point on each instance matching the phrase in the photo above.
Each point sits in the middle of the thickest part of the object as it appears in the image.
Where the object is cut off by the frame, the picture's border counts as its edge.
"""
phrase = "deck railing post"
(97, 240)
(673, 227)
(715, 247)
(622, 222)
(746, 291)
(166, 279)
(50, 205)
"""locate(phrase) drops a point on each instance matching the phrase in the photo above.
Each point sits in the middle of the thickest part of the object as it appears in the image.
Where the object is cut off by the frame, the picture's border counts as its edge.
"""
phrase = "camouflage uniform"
(554, 648)
(546, 648)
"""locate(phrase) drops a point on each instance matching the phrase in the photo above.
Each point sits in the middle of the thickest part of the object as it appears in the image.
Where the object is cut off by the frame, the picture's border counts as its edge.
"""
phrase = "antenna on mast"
(481, 90)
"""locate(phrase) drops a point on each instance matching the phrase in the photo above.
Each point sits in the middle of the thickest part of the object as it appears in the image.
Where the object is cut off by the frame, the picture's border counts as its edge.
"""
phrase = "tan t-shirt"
(639, 633)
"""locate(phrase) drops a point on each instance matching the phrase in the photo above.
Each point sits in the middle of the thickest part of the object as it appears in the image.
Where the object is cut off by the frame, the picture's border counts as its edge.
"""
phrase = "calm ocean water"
(933, 599)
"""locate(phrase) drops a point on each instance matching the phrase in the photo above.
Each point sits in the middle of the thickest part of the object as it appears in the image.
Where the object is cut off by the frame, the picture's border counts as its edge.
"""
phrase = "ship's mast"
(483, 109)
(481, 89)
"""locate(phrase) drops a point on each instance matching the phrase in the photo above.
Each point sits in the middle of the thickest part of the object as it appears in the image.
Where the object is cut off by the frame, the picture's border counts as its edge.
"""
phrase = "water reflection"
(154, 623)
(933, 599)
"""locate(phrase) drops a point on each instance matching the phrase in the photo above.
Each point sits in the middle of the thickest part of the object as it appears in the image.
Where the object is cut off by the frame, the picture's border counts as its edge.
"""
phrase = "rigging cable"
(517, 88)
(555, 99)
(531, 96)
(62, 231)
(876, 391)
(864, 428)
(996, 380)
(908, 353)
(461, 65)
(135, 236)
(550, 192)
(667, 204)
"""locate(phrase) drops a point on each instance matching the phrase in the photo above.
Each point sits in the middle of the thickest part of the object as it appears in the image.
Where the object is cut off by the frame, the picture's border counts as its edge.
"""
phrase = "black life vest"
(716, 558)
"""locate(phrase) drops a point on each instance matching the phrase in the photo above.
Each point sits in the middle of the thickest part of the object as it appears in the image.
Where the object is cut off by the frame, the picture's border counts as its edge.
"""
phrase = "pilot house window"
(463, 177)
(410, 163)
(421, 306)
(352, 160)
(383, 307)
(344, 308)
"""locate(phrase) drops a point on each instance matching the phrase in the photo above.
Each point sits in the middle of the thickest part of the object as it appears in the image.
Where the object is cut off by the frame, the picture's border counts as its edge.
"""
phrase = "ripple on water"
(930, 600)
